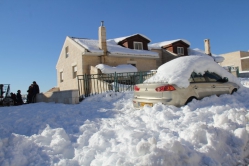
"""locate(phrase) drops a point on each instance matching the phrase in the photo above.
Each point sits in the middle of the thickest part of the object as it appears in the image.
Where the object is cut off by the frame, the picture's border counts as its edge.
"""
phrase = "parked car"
(188, 78)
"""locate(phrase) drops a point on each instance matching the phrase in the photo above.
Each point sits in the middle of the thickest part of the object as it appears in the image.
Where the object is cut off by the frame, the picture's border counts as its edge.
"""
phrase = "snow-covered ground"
(106, 130)
(244, 82)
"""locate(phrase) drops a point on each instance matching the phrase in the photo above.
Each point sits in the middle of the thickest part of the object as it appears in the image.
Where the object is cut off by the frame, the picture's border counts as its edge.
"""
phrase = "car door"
(200, 86)
(219, 87)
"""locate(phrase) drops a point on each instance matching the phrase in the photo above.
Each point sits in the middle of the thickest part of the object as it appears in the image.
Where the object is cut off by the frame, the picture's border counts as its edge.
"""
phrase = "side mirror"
(225, 79)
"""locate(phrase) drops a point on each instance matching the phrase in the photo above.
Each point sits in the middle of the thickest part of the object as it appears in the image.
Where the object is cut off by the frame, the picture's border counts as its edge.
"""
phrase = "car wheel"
(234, 90)
(190, 100)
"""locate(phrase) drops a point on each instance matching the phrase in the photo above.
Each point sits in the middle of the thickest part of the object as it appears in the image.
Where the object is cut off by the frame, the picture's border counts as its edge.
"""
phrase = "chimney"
(102, 41)
(207, 47)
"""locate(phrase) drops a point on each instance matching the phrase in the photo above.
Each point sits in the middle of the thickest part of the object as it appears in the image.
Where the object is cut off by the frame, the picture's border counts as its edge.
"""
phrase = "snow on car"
(183, 79)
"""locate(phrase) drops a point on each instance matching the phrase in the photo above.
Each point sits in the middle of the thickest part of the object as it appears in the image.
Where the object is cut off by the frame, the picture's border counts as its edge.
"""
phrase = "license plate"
(142, 104)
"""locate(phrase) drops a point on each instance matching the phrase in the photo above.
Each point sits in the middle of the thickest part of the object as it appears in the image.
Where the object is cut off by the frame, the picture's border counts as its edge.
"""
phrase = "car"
(183, 79)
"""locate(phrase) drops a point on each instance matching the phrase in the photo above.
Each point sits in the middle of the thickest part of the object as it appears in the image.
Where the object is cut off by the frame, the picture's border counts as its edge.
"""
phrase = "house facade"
(169, 50)
(79, 55)
(237, 59)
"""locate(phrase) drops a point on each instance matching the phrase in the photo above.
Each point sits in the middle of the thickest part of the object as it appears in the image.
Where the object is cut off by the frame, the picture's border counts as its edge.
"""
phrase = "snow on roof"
(164, 43)
(113, 48)
(89, 44)
(197, 51)
(118, 69)
(178, 71)
(117, 40)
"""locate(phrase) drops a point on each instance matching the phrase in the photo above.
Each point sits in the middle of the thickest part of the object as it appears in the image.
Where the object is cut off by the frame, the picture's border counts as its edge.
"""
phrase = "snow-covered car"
(183, 79)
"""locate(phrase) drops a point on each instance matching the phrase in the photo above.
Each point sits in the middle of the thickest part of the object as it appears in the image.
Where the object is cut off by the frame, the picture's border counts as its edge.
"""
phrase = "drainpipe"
(102, 41)
(207, 47)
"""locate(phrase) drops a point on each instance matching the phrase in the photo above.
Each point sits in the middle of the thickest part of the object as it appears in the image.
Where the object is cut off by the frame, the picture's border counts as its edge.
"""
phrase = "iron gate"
(91, 84)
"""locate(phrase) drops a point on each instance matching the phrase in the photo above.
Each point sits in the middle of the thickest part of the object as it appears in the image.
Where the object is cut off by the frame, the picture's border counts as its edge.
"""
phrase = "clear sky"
(32, 32)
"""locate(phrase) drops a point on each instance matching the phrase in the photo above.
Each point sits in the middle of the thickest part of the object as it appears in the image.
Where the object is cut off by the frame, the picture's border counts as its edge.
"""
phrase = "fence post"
(115, 82)
(86, 85)
(140, 77)
(79, 85)
(237, 71)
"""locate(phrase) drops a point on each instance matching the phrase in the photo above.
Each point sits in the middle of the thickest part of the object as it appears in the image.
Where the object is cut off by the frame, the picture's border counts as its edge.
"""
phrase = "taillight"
(165, 88)
(136, 88)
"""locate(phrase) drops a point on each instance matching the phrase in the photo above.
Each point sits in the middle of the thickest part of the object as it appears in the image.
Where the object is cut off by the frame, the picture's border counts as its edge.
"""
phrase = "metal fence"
(91, 84)
(233, 70)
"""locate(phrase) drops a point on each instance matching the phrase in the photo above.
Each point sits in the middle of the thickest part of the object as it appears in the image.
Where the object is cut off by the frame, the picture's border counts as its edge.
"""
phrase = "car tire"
(234, 90)
(190, 100)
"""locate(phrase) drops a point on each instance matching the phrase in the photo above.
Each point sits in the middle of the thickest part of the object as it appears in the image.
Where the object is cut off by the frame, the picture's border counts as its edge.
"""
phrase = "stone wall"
(66, 97)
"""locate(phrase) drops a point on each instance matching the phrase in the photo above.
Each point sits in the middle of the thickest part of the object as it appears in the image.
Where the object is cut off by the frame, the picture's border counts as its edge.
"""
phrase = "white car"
(181, 80)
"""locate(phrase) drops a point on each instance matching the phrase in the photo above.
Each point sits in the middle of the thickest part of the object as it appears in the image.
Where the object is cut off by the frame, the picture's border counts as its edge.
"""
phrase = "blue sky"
(33, 32)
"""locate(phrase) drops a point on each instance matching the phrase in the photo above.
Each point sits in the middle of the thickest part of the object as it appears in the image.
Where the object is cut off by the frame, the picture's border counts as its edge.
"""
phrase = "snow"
(114, 49)
(117, 40)
(89, 44)
(178, 71)
(197, 51)
(105, 129)
(244, 82)
(244, 71)
(118, 69)
(159, 45)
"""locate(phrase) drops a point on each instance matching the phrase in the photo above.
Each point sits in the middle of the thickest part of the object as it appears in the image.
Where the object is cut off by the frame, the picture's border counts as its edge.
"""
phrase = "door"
(200, 86)
(219, 87)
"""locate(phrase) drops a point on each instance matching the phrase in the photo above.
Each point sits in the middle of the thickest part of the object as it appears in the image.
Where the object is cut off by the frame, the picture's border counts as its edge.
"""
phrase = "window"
(212, 77)
(180, 50)
(138, 45)
(67, 51)
(196, 78)
(61, 76)
(74, 71)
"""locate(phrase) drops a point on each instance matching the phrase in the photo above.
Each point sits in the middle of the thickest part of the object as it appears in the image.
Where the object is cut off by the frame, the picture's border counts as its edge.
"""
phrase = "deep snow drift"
(106, 130)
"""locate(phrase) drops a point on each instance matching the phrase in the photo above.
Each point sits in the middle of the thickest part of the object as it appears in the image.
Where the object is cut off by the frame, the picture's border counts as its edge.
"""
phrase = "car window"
(197, 77)
(191, 79)
(212, 77)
